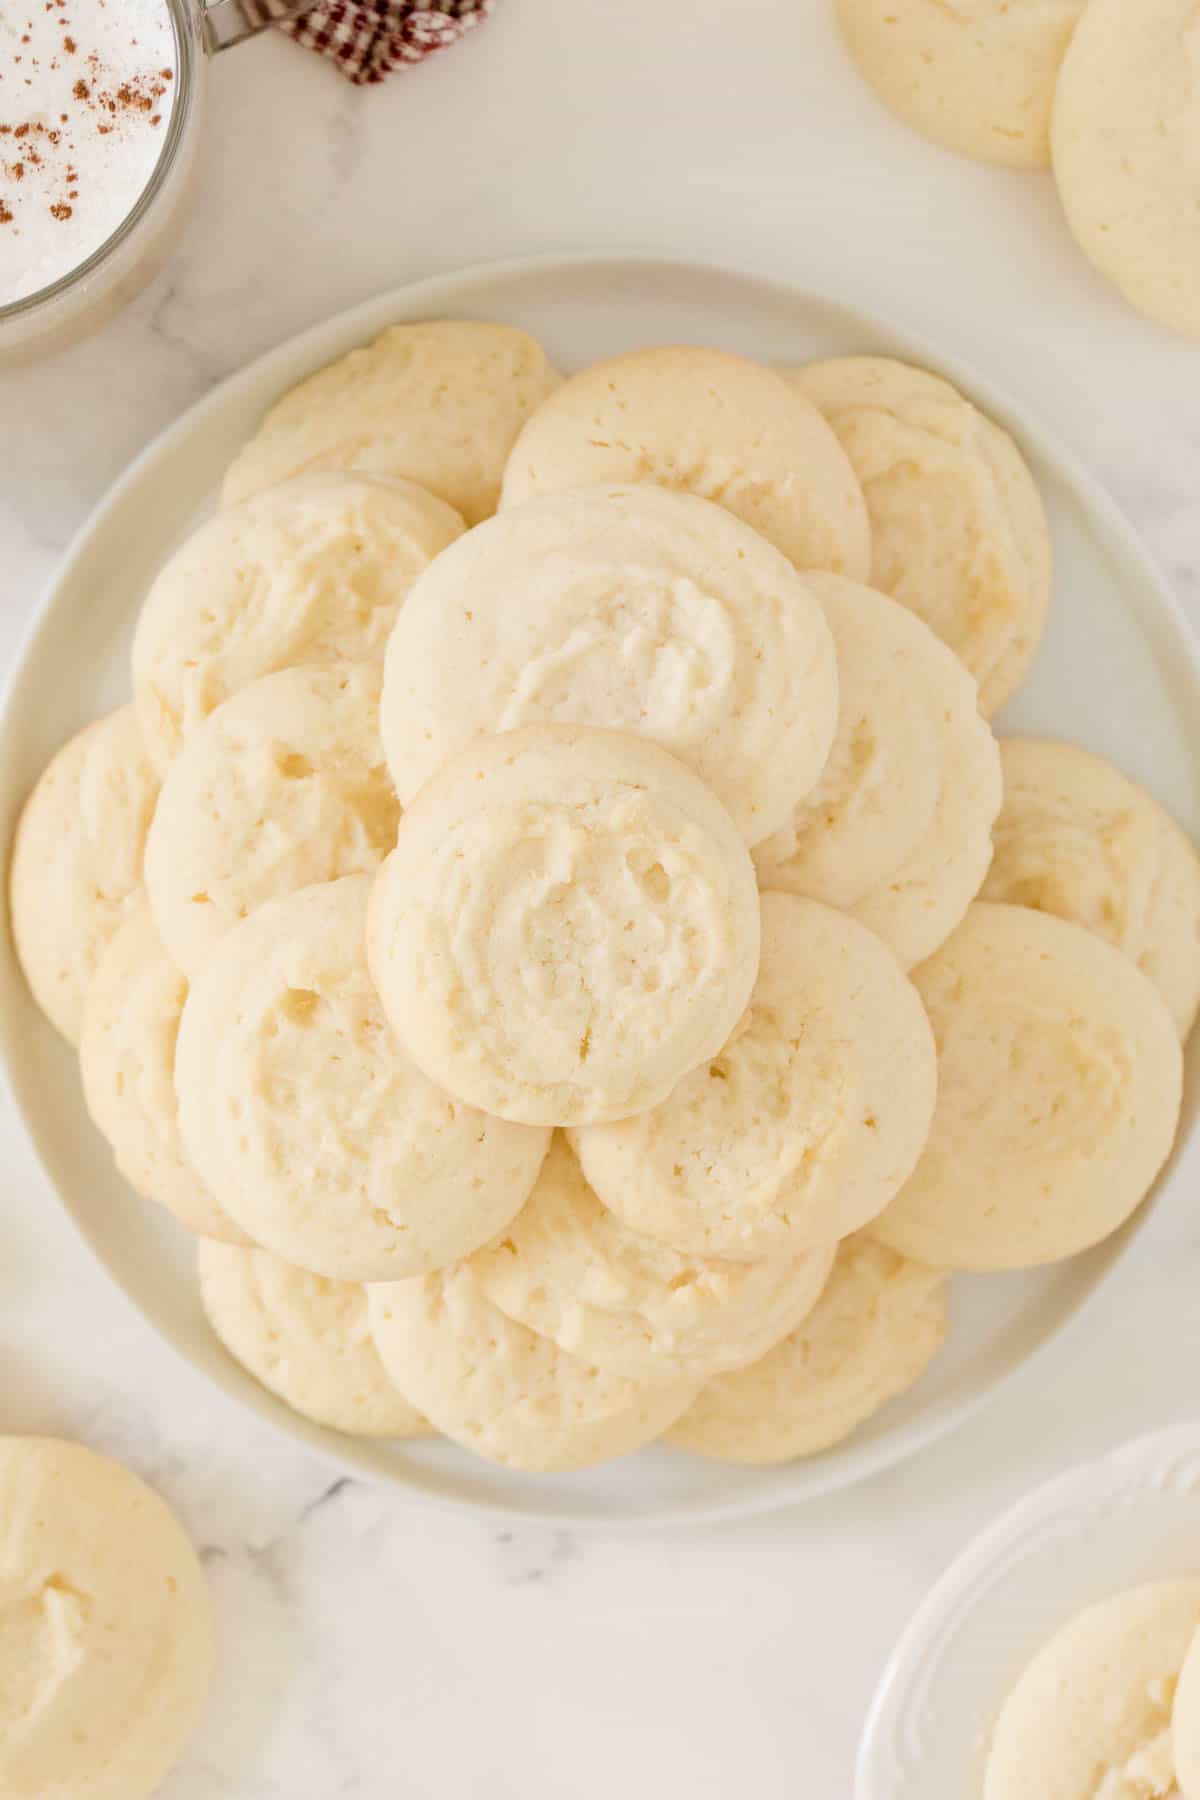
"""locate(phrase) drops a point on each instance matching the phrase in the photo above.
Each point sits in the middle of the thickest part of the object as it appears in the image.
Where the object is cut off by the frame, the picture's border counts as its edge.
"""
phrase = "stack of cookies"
(555, 920)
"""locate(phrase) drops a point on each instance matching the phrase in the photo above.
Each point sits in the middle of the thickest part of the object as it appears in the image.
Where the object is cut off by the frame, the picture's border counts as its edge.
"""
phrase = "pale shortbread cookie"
(1077, 838)
(711, 423)
(1090, 1717)
(105, 1635)
(567, 925)
(898, 829)
(1059, 1082)
(871, 1335)
(567, 1268)
(501, 1390)
(306, 1339)
(1127, 151)
(958, 528)
(807, 1122)
(1185, 1723)
(623, 607)
(127, 1061)
(76, 871)
(283, 786)
(976, 76)
(438, 403)
(299, 1107)
(312, 572)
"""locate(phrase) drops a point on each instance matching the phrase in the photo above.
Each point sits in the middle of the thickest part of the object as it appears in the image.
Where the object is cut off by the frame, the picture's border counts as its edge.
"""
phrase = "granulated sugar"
(86, 92)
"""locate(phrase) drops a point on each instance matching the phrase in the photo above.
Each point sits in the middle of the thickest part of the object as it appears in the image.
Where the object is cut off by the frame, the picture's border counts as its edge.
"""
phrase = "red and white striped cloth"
(369, 40)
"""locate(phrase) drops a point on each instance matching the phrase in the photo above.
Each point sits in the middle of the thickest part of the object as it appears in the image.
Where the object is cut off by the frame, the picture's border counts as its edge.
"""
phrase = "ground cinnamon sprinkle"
(104, 103)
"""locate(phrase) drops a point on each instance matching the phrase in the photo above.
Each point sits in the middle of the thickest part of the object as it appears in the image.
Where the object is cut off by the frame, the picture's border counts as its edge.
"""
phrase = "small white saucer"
(1130, 1517)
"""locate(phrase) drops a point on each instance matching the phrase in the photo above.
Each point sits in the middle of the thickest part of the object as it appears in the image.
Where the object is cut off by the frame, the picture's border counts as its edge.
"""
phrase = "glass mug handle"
(228, 22)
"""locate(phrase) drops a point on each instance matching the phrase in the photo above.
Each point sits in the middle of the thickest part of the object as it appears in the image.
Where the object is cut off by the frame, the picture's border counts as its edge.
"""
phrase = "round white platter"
(1118, 672)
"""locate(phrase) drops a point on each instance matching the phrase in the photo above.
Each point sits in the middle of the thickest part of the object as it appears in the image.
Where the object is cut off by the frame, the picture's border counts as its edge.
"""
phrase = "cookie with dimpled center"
(958, 529)
(76, 872)
(299, 1107)
(620, 607)
(309, 573)
(1059, 1085)
(898, 829)
(105, 1634)
(283, 786)
(567, 925)
(808, 1121)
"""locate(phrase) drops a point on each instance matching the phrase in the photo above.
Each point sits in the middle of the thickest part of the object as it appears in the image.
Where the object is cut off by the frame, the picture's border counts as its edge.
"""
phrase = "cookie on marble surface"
(568, 923)
(1125, 160)
(1185, 1723)
(622, 607)
(283, 786)
(76, 872)
(1090, 1716)
(105, 1634)
(958, 529)
(313, 572)
(568, 1269)
(898, 829)
(804, 1125)
(1077, 838)
(300, 1108)
(305, 1338)
(1059, 1083)
(713, 424)
(127, 1061)
(976, 76)
(868, 1339)
(501, 1390)
(439, 403)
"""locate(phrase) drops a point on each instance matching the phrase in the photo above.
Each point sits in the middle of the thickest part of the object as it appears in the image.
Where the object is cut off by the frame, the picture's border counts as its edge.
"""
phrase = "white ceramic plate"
(1130, 1517)
(1118, 673)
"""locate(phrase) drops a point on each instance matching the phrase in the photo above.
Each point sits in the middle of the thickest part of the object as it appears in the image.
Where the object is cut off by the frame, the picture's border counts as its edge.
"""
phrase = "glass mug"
(84, 296)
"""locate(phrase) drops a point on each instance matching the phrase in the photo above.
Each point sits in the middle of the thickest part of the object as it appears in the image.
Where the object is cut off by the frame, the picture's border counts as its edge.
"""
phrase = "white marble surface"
(371, 1648)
